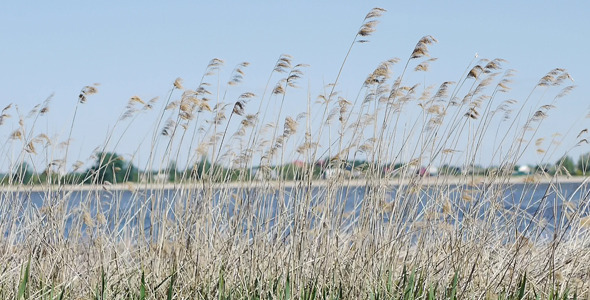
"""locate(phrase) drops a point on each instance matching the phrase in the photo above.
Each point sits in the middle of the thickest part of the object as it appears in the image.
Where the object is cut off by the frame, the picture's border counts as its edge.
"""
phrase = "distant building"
(432, 171)
(158, 177)
(264, 174)
(427, 171)
(348, 172)
(473, 170)
(524, 170)
(299, 164)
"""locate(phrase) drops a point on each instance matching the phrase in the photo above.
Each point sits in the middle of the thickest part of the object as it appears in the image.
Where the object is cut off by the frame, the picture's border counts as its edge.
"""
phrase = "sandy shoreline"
(440, 180)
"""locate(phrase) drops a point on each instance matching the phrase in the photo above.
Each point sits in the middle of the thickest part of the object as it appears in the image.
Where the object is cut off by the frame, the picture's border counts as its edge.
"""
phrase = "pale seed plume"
(30, 148)
(475, 71)
(87, 91)
(239, 108)
(178, 83)
(565, 91)
(290, 126)
(169, 127)
(425, 65)
(283, 63)
(172, 105)
(370, 23)
(238, 74)
(421, 48)
(16, 135)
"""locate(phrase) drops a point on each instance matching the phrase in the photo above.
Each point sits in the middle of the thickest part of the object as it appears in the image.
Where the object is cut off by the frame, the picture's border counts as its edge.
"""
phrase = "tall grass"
(219, 232)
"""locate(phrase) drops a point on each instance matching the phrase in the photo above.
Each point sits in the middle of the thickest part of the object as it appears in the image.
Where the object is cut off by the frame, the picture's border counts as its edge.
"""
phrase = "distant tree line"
(113, 168)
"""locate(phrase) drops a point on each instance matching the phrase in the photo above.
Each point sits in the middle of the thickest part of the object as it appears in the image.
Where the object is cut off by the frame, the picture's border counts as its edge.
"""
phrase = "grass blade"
(142, 286)
(24, 281)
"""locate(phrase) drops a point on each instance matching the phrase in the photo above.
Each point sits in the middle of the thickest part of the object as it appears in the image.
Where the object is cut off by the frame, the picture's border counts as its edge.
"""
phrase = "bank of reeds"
(466, 236)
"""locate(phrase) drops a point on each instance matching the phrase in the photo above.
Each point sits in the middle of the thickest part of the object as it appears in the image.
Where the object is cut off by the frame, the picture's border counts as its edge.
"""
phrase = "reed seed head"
(178, 83)
(421, 48)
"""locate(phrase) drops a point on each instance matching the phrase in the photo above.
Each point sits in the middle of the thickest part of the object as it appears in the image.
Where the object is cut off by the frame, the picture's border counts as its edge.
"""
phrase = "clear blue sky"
(140, 47)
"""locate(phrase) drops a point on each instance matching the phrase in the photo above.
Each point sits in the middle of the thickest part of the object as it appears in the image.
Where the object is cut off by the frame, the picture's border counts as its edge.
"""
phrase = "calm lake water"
(127, 208)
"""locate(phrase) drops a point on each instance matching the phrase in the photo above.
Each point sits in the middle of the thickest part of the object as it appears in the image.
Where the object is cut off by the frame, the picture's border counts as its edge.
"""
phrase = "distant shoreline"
(438, 180)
